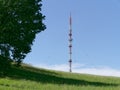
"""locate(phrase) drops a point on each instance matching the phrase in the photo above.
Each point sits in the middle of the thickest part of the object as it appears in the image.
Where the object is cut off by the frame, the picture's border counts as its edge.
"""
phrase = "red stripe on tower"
(70, 20)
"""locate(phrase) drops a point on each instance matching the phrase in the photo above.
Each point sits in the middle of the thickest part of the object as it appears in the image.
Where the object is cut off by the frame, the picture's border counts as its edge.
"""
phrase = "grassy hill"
(30, 78)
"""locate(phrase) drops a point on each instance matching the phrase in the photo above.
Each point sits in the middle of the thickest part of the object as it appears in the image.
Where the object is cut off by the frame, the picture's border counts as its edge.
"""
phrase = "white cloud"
(99, 71)
(81, 68)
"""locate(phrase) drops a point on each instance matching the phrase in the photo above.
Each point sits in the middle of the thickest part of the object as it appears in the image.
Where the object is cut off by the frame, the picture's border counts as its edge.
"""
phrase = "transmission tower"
(70, 44)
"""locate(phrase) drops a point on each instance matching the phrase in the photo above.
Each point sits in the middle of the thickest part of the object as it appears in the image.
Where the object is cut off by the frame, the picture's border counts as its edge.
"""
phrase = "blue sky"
(96, 35)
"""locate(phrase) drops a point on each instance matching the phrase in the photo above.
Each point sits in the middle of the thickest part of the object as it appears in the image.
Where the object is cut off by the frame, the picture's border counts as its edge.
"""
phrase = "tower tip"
(70, 19)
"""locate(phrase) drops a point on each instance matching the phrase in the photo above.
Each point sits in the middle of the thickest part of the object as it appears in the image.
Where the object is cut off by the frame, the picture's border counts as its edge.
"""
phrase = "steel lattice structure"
(70, 44)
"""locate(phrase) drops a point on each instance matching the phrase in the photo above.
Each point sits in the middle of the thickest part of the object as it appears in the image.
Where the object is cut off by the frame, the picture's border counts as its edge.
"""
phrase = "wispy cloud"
(99, 71)
(82, 68)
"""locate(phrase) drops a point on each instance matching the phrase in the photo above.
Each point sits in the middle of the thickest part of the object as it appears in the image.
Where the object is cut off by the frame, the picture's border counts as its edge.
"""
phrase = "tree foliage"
(20, 21)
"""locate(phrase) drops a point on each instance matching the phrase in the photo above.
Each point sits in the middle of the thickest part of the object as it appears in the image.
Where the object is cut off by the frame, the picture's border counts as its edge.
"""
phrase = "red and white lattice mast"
(70, 44)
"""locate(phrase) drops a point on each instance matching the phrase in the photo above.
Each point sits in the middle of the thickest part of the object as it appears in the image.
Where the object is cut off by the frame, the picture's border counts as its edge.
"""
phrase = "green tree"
(20, 21)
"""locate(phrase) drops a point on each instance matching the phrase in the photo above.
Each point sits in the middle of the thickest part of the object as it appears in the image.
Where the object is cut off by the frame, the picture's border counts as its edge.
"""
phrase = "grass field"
(30, 78)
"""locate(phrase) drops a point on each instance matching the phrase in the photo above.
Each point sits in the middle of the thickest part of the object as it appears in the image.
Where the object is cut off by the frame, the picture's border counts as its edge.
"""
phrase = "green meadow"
(31, 78)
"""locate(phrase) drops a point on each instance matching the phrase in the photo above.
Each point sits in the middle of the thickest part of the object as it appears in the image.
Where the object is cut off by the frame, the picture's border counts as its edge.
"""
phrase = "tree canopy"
(20, 21)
